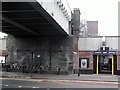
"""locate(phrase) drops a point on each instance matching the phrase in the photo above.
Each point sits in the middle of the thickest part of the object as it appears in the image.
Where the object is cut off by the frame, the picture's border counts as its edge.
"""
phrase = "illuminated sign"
(104, 52)
(112, 52)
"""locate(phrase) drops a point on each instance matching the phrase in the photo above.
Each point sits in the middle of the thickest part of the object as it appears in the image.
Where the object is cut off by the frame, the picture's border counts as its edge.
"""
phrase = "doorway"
(105, 64)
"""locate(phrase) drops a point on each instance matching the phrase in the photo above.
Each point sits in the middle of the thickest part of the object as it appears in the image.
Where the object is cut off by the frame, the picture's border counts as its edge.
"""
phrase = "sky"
(103, 11)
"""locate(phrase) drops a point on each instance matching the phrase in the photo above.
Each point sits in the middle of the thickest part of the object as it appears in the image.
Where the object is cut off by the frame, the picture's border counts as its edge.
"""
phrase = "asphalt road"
(18, 83)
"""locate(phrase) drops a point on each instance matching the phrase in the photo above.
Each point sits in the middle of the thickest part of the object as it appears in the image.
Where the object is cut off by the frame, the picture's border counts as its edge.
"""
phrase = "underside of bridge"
(28, 19)
(35, 39)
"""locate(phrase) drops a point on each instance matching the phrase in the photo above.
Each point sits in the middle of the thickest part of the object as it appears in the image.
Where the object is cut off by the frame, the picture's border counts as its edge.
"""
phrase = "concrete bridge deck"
(29, 19)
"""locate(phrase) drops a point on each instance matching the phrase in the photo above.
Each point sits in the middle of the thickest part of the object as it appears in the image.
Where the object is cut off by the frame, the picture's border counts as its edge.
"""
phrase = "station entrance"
(105, 62)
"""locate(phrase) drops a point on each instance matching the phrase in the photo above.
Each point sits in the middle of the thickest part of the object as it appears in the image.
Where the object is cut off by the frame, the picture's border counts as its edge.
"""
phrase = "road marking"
(6, 85)
(35, 87)
(19, 86)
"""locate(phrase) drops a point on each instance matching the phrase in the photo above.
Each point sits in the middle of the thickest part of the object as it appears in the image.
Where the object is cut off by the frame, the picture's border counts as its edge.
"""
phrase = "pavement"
(82, 77)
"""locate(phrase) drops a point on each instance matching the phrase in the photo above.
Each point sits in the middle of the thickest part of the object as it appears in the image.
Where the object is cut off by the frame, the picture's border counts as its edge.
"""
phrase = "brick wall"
(87, 54)
(118, 58)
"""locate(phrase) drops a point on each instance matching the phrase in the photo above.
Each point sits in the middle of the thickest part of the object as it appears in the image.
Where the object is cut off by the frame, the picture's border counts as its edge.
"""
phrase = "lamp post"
(75, 53)
(38, 68)
(32, 58)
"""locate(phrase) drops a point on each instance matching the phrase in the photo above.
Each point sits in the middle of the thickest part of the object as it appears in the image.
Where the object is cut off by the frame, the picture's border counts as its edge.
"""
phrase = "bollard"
(58, 71)
(79, 72)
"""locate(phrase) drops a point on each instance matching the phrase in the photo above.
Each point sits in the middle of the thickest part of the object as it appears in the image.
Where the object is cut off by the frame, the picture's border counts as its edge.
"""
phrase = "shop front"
(105, 62)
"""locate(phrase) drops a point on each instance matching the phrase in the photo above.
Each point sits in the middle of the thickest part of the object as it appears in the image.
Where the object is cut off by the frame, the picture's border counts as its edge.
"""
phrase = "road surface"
(44, 83)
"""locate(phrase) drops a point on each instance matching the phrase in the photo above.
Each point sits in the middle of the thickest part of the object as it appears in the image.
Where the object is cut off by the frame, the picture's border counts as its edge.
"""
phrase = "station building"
(99, 55)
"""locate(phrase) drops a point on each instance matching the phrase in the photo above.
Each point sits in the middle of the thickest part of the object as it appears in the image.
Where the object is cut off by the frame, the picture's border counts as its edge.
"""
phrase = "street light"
(38, 68)
(79, 67)
(74, 52)
(32, 63)
(38, 56)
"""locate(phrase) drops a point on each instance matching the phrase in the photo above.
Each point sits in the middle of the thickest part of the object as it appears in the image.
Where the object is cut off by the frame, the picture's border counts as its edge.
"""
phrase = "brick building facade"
(91, 47)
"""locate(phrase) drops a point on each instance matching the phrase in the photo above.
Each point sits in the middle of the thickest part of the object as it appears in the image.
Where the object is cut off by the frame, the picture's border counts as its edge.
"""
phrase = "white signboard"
(2, 59)
(83, 63)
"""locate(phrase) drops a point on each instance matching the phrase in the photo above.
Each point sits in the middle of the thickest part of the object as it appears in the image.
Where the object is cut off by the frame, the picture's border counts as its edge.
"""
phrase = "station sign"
(104, 52)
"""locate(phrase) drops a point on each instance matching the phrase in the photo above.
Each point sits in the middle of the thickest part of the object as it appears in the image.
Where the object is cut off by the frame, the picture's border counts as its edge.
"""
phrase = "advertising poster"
(83, 63)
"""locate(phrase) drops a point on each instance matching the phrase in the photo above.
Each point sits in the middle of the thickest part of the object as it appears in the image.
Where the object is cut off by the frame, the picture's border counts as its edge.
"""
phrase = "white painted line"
(19, 86)
(35, 87)
(6, 85)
